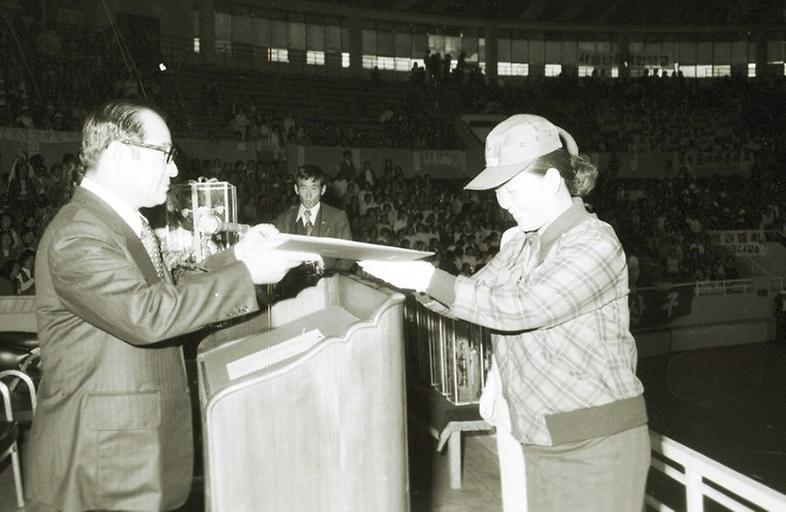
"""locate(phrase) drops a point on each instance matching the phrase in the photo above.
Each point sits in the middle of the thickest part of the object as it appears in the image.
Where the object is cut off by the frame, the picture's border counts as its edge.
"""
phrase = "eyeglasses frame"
(170, 153)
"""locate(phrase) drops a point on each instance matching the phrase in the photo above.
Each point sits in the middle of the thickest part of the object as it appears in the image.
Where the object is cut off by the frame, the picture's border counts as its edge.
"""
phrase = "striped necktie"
(308, 224)
(153, 248)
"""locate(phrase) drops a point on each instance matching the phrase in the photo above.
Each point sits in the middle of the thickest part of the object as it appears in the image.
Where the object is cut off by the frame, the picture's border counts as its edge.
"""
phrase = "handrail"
(705, 477)
(756, 265)
(723, 287)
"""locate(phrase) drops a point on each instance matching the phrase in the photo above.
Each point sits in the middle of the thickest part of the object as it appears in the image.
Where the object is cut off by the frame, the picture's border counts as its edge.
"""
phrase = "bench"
(445, 422)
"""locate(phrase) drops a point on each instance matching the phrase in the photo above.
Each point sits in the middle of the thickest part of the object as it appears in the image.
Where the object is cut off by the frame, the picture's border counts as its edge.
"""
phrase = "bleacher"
(316, 101)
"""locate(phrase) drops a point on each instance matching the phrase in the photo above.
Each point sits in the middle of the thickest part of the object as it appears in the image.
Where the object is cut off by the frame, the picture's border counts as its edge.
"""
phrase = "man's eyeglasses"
(171, 152)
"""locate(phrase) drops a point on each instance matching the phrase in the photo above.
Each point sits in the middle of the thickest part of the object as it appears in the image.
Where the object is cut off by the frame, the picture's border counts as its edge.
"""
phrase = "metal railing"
(736, 286)
(17, 313)
(727, 287)
(13, 304)
(704, 478)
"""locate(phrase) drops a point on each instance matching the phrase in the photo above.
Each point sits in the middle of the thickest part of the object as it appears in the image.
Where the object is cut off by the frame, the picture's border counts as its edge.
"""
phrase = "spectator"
(7, 249)
(8, 271)
(24, 280)
(311, 217)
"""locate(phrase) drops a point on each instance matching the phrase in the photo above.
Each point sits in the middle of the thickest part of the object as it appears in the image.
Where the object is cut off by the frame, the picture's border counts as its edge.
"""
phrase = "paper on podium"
(273, 354)
(348, 249)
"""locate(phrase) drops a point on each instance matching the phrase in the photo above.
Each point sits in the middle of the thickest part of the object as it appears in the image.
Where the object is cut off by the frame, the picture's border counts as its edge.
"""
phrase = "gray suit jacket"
(113, 425)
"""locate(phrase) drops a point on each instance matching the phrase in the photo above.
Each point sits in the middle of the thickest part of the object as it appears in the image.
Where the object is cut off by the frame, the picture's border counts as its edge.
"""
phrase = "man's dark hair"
(310, 171)
(116, 120)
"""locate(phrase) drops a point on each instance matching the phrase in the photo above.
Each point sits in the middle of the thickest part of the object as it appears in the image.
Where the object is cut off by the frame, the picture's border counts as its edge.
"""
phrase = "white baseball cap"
(514, 144)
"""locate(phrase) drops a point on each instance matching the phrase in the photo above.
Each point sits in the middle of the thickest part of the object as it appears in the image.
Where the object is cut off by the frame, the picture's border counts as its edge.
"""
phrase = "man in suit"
(113, 426)
(311, 216)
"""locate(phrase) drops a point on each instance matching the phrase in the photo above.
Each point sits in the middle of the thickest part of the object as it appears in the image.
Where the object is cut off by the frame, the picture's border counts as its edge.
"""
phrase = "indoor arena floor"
(728, 403)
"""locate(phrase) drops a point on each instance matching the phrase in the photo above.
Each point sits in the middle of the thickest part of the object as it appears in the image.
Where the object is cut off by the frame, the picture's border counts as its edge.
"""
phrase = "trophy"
(201, 219)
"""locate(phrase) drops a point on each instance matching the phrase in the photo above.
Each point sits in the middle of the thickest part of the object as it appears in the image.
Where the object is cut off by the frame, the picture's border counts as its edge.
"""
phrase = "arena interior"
(680, 104)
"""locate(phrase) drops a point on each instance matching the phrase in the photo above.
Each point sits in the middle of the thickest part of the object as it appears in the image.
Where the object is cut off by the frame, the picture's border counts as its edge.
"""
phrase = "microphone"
(211, 224)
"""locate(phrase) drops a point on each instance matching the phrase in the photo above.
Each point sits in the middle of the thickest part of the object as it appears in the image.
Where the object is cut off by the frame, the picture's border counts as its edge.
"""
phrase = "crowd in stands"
(663, 223)
(411, 119)
(50, 78)
(30, 195)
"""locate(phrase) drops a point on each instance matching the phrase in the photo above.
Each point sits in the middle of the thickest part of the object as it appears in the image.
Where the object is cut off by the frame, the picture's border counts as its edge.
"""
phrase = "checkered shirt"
(559, 306)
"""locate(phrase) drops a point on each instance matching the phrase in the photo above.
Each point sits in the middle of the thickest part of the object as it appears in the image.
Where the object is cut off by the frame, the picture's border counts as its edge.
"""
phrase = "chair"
(9, 428)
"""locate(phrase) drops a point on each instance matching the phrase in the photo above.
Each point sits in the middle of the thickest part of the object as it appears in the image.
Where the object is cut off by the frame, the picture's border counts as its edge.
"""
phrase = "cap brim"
(493, 177)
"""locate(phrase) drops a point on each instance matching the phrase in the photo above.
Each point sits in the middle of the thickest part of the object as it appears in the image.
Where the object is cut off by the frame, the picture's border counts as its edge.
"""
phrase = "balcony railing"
(727, 287)
(704, 478)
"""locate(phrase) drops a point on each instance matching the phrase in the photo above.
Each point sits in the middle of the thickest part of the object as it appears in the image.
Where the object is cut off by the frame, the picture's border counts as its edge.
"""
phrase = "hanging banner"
(740, 242)
(654, 307)
(608, 60)
(450, 158)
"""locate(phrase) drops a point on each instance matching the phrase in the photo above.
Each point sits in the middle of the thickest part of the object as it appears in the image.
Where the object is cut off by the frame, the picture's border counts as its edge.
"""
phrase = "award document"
(348, 249)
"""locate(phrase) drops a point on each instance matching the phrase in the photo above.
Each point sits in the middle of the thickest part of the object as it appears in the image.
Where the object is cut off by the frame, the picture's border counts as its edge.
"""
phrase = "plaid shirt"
(560, 302)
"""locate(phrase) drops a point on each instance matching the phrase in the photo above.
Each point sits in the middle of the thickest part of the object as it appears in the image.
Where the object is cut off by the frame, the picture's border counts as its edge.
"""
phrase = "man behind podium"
(113, 426)
(311, 216)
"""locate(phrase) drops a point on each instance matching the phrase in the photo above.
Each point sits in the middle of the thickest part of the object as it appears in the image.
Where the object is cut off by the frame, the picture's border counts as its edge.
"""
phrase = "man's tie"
(150, 241)
(308, 224)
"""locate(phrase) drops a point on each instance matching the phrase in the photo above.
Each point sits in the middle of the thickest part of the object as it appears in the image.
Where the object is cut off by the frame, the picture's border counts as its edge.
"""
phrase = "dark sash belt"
(599, 421)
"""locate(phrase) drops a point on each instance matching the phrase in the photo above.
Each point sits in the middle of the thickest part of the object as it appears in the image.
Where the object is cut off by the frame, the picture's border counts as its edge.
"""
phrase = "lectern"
(303, 409)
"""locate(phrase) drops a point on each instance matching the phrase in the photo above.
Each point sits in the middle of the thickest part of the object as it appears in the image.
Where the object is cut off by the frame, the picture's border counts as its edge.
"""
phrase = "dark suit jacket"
(330, 222)
(113, 426)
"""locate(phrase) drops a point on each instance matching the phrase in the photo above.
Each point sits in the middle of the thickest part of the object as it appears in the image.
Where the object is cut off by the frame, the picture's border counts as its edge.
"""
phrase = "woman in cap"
(562, 389)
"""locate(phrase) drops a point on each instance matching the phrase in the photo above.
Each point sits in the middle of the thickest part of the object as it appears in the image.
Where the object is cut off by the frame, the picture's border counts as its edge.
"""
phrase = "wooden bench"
(445, 422)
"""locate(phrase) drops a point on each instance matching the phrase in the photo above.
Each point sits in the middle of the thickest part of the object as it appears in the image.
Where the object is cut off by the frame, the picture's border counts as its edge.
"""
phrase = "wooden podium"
(304, 409)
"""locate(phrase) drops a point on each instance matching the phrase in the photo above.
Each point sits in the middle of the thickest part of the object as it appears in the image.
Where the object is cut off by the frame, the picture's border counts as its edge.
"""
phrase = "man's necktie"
(150, 241)
(308, 224)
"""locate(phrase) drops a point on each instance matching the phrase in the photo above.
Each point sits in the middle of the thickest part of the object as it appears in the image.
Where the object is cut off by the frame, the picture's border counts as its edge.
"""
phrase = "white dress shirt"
(314, 212)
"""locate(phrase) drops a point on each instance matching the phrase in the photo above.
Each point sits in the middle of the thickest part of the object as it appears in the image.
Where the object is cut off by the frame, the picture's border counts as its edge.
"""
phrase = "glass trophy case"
(450, 355)
(198, 214)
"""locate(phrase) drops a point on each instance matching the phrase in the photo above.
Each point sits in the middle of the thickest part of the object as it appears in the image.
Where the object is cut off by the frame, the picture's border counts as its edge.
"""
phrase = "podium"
(304, 408)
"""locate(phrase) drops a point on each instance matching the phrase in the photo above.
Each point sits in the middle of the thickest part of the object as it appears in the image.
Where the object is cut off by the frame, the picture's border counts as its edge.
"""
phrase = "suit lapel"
(115, 223)
(294, 226)
(317, 231)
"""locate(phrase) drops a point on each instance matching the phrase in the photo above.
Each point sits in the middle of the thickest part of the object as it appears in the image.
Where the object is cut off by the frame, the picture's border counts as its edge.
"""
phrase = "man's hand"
(261, 234)
(413, 275)
(266, 264)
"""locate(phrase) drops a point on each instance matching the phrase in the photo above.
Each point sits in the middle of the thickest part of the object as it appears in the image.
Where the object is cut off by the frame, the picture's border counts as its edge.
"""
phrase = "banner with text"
(655, 307)
(608, 60)
(740, 242)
